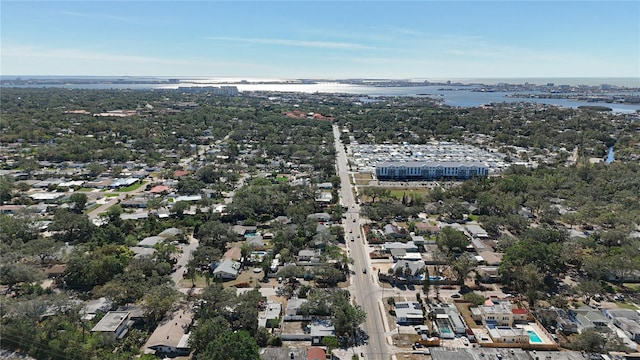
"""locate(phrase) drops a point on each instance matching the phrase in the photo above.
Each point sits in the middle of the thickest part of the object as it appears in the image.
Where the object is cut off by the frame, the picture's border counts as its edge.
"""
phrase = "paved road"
(93, 214)
(365, 290)
(183, 259)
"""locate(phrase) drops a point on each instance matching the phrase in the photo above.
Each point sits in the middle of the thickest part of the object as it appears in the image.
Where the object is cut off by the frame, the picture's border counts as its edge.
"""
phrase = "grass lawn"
(132, 187)
(85, 190)
(282, 179)
(397, 193)
(626, 305)
(111, 195)
(200, 281)
(363, 176)
(91, 208)
(362, 179)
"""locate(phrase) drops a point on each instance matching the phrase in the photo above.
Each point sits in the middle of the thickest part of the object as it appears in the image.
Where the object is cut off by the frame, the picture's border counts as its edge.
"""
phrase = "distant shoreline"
(626, 82)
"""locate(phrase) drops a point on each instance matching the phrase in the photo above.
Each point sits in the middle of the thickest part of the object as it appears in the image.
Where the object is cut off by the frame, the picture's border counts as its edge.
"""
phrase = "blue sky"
(321, 39)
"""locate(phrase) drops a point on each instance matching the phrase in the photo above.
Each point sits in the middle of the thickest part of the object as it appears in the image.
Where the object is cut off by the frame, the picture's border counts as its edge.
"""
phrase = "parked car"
(455, 295)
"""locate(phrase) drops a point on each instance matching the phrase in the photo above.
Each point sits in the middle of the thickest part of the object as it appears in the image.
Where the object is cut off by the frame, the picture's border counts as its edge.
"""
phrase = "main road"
(365, 289)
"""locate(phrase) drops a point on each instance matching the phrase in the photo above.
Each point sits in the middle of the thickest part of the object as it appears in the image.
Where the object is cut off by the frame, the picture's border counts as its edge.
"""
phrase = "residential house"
(47, 197)
(113, 324)
(93, 307)
(119, 183)
(308, 255)
(506, 334)
(256, 242)
(244, 230)
(324, 197)
(627, 320)
(477, 231)
(417, 239)
(320, 217)
(170, 233)
(55, 270)
(409, 313)
(424, 228)
(488, 274)
(588, 318)
(271, 312)
(293, 306)
(171, 337)
(398, 254)
(136, 202)
(415, 269)
(408, 246)
(283, 353)
(11, 209)
(452, 314)
(494, 312)
(140, 252)
(325, 186)
(489, 258)
(150, 241)
(227, 270)
(393, 232)
(320, 330)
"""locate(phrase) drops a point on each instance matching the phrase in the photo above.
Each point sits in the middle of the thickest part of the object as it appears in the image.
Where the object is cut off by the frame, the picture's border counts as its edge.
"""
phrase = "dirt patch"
(463, 308)
(410, 356)
(292, 327)
(245, 277)
(405, 340)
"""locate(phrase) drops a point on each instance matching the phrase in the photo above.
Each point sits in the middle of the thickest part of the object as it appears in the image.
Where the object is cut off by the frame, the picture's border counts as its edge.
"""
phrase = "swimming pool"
(533, 337)
(445, 330)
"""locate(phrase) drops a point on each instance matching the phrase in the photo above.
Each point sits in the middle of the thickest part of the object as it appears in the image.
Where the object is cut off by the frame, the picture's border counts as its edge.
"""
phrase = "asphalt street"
(365, 290)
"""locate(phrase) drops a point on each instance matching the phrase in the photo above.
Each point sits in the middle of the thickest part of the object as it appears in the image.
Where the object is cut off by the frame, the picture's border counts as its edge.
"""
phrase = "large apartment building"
(427, 170)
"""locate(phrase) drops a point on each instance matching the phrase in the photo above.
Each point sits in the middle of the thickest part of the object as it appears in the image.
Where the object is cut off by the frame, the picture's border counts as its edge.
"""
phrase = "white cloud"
(31, 60)
(96, 16)
(289, 42)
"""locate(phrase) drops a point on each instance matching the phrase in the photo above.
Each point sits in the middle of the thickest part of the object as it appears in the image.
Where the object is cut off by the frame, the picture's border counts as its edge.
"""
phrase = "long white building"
(428, 170)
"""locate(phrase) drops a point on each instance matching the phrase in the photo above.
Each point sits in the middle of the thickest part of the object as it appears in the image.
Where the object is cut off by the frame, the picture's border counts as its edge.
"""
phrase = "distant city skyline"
(321, 39)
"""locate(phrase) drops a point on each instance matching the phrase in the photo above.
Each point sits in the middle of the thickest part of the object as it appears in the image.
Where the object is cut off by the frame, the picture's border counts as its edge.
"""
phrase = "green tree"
(451, 240)
(330, 342)
(179, 208)
(158, 301)
(78, 201)
(71, 227)
(238, 345)
(215, 234)
(462, 266)
(7, 185)
(207, 331)
(474, 298)
(589, 340)
(14, 273)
